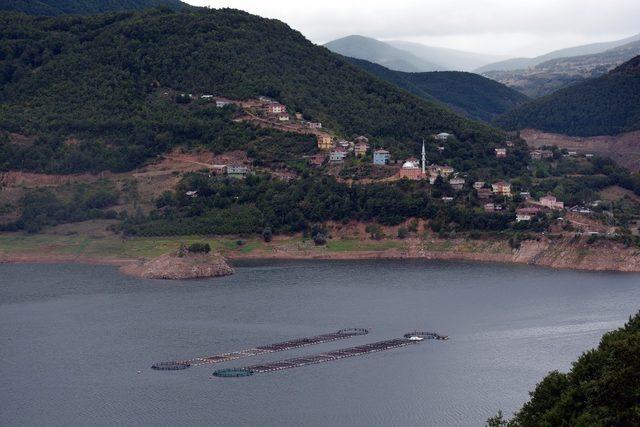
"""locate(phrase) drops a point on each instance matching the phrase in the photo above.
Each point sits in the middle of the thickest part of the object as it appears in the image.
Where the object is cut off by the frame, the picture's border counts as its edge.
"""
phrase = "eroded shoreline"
(559, 254)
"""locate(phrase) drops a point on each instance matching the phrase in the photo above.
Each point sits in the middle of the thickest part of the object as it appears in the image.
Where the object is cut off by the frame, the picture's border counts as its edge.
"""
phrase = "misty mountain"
(469, 94)
(85, 7)
(450, 59)
(556, 74)
(407, 56)
(607, 105)
(588, 49)
(381, 53)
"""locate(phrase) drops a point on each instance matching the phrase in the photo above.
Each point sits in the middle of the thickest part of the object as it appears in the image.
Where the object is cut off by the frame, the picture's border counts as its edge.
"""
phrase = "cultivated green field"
(116, 247)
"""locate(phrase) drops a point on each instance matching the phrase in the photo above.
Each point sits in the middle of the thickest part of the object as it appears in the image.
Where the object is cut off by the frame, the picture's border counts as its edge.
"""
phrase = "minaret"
(424, 159)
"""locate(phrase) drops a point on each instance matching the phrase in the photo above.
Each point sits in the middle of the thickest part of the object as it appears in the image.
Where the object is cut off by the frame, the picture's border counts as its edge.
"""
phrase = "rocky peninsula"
(172, 266)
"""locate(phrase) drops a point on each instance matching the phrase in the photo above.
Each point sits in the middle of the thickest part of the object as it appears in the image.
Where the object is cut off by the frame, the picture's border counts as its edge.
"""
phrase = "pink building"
(551, 202)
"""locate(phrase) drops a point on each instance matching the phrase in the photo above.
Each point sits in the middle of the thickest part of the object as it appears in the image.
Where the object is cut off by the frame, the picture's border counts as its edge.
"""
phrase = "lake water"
(73, 338)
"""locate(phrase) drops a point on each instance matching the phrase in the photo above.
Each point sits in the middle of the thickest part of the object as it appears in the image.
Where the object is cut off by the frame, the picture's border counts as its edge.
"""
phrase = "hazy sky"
(504, 27)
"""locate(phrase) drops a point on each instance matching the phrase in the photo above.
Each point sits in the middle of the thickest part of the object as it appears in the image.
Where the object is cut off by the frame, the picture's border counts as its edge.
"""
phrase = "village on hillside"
(513, 187)
(498, 197)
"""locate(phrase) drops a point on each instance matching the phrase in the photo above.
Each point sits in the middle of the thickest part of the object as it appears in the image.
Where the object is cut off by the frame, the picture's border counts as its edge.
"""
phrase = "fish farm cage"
(317, 358)
(233, 373)
(171, 366)
(353, 331)
(426, 335)
(177, 365)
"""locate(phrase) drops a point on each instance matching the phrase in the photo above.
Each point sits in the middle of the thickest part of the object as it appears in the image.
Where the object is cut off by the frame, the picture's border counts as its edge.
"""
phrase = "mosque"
(413, 169)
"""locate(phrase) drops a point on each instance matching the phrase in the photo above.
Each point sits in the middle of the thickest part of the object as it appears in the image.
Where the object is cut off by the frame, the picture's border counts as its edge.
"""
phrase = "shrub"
(182, 250)
(199, 248)
(267, 234)
(320, 239)
(475, 235)
(375, 231)
(402, 233)
(183, 98)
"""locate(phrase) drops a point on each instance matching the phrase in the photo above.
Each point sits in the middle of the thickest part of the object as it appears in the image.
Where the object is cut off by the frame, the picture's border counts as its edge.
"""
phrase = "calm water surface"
(73, 338)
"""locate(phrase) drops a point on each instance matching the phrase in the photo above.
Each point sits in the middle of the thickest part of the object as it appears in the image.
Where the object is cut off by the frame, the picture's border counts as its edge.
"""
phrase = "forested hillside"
(84, 87)
(602, 388)
(81, 7)
(606, 105)
(469, 94)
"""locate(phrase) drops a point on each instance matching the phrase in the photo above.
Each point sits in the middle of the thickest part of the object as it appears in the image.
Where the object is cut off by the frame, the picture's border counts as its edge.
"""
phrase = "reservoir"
(77, 341)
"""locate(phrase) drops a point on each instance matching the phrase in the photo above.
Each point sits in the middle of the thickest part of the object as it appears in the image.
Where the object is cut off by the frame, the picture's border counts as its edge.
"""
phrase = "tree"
(601, 389)
(267, 234)
(497, 421)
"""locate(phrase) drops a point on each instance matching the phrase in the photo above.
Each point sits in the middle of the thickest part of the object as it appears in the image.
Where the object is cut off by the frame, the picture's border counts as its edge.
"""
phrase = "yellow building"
(361, 149)
(325, 142)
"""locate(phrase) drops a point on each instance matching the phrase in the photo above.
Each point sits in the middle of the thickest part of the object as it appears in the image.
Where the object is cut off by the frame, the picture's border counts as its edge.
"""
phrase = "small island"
(191, 262)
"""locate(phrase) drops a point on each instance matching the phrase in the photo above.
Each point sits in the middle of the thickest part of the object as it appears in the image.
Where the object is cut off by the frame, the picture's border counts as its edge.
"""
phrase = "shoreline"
(515, 258)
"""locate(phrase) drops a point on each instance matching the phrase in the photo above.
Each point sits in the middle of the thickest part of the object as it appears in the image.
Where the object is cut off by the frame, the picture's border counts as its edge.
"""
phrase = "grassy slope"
(114, 247)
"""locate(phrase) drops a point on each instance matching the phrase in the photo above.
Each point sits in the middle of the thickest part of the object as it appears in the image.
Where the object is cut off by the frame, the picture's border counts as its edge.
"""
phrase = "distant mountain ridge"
(606, 105)
(469, 94)
(381, 53)
(407, 56)
(588, 49)
(448, 59)
(83, 7)
(555, 74)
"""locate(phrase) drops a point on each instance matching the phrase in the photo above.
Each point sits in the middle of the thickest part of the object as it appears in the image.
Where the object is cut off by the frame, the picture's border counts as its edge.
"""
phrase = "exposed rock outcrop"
(171, 266)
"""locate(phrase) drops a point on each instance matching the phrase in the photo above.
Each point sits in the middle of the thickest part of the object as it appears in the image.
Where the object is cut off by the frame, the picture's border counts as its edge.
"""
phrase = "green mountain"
(602, 388)
(469, 94)
(589, 49)
(81, 7)
(89, 89)
(381, 53)
(607, 105)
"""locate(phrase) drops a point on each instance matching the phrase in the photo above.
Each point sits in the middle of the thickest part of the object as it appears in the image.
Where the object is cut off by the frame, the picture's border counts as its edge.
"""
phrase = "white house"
(443, 136)
(337, 155)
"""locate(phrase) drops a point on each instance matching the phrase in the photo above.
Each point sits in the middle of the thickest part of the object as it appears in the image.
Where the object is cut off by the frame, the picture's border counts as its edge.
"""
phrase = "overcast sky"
(504, 27)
